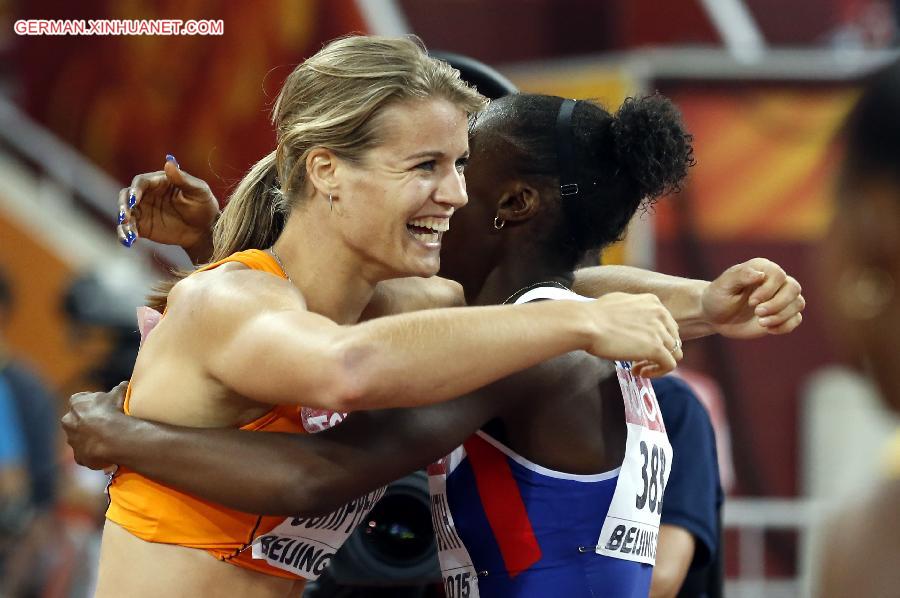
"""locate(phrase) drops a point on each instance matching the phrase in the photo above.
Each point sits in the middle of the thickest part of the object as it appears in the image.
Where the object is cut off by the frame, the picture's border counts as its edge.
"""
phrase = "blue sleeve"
(12, 441)
(693, 494)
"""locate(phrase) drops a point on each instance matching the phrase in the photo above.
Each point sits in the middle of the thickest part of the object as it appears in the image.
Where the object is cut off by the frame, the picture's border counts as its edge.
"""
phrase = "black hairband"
(565, 149)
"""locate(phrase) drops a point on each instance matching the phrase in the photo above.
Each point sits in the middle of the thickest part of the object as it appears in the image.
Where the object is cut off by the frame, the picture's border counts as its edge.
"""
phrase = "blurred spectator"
(862, 270)
(29, 441)
(709, 393)
(688, 556)
(13, 480)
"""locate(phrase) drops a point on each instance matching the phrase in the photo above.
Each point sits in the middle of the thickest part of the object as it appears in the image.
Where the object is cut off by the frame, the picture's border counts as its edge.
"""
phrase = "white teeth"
(427, 237)
(437, 224)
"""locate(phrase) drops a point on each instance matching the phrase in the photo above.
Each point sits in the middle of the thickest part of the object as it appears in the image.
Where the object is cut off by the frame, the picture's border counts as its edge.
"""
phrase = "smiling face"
(396, 204)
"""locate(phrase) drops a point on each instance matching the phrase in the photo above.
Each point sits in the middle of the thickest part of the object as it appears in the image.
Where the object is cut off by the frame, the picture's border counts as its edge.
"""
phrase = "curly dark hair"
(620, 162)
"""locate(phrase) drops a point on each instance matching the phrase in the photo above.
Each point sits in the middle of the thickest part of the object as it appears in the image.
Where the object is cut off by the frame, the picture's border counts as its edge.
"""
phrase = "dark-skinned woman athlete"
(558, 424)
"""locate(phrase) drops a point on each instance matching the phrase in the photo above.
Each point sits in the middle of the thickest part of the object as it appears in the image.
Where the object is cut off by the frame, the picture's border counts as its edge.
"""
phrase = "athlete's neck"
(326, 271)
(519, 270)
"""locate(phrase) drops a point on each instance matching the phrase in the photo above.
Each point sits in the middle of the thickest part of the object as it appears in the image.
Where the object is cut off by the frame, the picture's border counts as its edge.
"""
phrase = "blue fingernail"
(128, 241)
(121, 215)
(171, 158)
(132, 199)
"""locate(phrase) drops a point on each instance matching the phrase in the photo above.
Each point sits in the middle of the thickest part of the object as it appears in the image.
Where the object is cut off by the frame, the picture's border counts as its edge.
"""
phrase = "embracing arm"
(397, 361)
(681, 296)
(294, 474)
(405, 360)
(273, 473)
(748, 300)
(402, 295)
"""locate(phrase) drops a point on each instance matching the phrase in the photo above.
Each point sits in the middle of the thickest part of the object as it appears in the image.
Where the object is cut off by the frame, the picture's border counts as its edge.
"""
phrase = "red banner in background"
(126, 101)
(765, 161)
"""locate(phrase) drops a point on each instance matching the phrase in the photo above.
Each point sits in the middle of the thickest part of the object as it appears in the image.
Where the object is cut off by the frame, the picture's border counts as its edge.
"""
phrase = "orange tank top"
(157, 513)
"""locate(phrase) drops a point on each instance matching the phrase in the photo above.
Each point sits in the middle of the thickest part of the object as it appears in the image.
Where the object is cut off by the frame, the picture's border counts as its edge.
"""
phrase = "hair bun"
(652, 145)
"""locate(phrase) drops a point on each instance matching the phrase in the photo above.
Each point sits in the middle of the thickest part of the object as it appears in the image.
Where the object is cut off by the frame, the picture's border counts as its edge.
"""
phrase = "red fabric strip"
(503, 506)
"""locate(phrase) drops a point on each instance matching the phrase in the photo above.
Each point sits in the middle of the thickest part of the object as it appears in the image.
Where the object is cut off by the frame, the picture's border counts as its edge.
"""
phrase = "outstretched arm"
(272, 473)
(681, 296)
(397, 361)
(402, 295)
(748, 300)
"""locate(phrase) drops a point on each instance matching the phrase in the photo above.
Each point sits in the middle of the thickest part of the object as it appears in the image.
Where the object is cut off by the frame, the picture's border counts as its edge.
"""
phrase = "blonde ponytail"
(255, 214)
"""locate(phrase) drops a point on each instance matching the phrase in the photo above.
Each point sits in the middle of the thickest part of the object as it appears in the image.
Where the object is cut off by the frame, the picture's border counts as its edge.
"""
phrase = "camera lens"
(398, 530)
(394, 544)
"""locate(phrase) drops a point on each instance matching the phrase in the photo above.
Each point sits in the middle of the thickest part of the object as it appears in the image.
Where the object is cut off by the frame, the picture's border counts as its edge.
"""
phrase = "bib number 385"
(631, 526)
(632, 523)
(653, 474)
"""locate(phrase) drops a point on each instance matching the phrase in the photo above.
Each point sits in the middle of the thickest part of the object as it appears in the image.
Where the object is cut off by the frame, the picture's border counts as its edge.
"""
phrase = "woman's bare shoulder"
(231, 291)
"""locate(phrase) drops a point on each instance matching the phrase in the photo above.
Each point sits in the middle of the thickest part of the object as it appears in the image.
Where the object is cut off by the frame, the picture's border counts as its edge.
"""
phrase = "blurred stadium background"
(763, 85)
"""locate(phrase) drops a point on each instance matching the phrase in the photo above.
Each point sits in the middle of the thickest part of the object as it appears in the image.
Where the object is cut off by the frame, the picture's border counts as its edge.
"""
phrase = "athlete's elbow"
(345, 395)
(349, 396)
(353, 383)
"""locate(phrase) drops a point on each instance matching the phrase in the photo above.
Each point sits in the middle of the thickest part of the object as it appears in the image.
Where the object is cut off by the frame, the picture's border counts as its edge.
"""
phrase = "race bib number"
(458, 574)
(631, 527)
(305, 546)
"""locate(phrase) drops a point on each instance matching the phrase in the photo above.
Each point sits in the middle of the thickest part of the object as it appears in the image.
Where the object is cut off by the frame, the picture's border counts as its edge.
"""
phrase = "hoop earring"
(498, 222)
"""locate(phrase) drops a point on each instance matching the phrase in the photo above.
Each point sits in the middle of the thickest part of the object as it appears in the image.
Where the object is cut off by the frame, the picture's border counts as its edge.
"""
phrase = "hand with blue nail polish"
(170, 207)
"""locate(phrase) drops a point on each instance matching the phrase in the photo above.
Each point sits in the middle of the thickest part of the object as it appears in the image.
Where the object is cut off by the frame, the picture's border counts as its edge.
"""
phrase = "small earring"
(330, 202)
(498, 222)
(863, 295)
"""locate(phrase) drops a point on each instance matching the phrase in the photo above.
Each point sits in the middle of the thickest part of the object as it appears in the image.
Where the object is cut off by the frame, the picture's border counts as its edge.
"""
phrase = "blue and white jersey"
(507, 527)
(532, 531)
